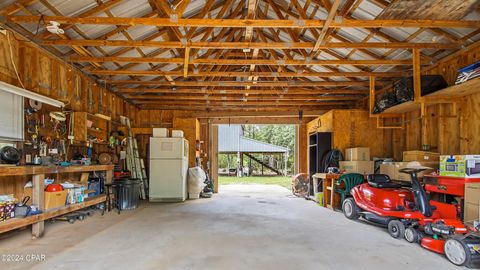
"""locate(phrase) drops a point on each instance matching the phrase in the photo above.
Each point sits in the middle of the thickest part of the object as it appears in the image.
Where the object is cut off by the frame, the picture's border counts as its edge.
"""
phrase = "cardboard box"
(472, 192)
(467, 166)
(393, 170)
(160, 132)
(177, 133)
(357, 154)
(51, 199)
(55, 199)
(470, 212)
(420, 156)
(472, 202)
(363, 167)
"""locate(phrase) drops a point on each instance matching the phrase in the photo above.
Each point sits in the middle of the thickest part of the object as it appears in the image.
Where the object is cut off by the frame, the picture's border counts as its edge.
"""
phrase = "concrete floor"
(243, 227)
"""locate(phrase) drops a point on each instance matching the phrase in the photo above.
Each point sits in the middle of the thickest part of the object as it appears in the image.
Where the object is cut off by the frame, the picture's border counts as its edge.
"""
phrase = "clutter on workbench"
(7, 207)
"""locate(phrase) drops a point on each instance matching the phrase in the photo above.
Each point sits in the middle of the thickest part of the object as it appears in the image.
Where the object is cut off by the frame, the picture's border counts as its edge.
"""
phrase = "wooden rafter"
(207, 59)
(247, 45)
(326, 26)
(253, 61)
(247, 74)
(242, 23)
(241, 83)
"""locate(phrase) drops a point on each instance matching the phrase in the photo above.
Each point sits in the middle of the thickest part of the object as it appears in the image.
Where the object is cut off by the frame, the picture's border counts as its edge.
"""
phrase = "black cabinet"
(319, 144)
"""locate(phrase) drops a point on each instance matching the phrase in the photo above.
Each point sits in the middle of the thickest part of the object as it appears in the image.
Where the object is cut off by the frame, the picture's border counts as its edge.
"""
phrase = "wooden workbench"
(331, 199)
(38, 175)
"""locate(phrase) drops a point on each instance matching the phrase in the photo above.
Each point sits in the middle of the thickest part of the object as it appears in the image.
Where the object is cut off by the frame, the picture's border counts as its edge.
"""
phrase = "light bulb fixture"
(54, 28)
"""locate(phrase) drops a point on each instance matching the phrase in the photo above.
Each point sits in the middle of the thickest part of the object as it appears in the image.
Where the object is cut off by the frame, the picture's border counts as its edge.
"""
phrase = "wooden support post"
(371, 97)
(38, 200)
(109, 176)
(424, 120)
(185, 64)
(417, 88)
(296, 159)
(213, 154)
(239, 164)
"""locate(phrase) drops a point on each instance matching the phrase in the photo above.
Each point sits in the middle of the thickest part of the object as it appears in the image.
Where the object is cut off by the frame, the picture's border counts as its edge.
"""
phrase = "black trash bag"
(403, 90)
(429, 83)
(386, 101)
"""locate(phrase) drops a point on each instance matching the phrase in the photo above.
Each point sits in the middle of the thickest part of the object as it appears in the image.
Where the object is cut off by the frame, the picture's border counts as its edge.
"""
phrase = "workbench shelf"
(38, 174)
(16, 223)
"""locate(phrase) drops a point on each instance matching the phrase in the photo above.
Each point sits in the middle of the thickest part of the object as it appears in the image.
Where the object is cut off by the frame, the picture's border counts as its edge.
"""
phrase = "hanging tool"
(100, 100)
(90, 97)
(78, 98)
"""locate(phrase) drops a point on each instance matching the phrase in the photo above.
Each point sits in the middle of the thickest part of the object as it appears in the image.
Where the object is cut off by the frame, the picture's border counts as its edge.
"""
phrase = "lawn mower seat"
(381, 181)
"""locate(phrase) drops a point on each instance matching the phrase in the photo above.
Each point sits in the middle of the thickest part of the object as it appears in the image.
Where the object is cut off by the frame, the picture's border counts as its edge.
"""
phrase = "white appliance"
(168, 169)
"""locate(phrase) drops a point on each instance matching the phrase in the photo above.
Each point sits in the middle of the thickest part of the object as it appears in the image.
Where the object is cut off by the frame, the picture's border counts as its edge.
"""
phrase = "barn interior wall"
(42, 73)
(444, 134)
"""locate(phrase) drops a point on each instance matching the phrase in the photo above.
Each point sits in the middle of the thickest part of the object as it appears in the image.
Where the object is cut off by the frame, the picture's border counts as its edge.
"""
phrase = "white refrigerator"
(168, 169)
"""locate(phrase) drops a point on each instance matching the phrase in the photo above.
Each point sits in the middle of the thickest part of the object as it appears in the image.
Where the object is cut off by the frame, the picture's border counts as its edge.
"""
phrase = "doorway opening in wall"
(256, 154)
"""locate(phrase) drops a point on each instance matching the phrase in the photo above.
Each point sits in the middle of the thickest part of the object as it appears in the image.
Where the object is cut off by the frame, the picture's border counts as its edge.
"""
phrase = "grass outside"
(283, 181)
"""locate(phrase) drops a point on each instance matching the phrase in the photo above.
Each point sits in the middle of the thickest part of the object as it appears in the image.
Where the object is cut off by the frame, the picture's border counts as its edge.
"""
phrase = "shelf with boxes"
(90, 127)
(52, 204)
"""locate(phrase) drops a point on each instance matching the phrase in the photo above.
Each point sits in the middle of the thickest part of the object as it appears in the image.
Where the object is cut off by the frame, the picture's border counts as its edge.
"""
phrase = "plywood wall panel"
(353, 128)
(470, 125)
(44, 75)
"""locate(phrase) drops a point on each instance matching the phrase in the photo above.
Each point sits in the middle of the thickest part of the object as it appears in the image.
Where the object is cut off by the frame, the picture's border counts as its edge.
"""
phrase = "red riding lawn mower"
(407, 213)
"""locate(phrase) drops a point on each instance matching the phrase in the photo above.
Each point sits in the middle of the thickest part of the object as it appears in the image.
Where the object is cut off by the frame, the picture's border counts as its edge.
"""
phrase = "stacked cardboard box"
(357, 160)
(392, 169)
(472, 202)
(420, 156)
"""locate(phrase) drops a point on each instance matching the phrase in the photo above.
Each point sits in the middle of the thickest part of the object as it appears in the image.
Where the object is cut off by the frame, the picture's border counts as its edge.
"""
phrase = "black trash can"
(126, 193)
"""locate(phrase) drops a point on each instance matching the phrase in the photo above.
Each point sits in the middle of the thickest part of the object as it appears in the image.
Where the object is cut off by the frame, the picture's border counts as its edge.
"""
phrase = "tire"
(71, 220)
(396, 229)
(350, 209)
(411, 235)
(456, 251)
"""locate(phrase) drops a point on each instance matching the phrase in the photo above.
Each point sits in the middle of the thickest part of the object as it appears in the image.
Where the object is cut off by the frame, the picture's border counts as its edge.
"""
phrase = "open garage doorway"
(256, 154)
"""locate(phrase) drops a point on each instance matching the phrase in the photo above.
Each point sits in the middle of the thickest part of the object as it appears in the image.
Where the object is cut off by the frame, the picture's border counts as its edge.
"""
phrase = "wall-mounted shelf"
(99, 127)
(459, 90)
(402, 108)
(446, 95)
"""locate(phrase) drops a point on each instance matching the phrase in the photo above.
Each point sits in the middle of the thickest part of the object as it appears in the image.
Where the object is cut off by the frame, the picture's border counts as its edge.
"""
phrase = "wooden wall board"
(189, 127)
(323, 123)
(302, 142)
(49, 76)
(469, 126)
